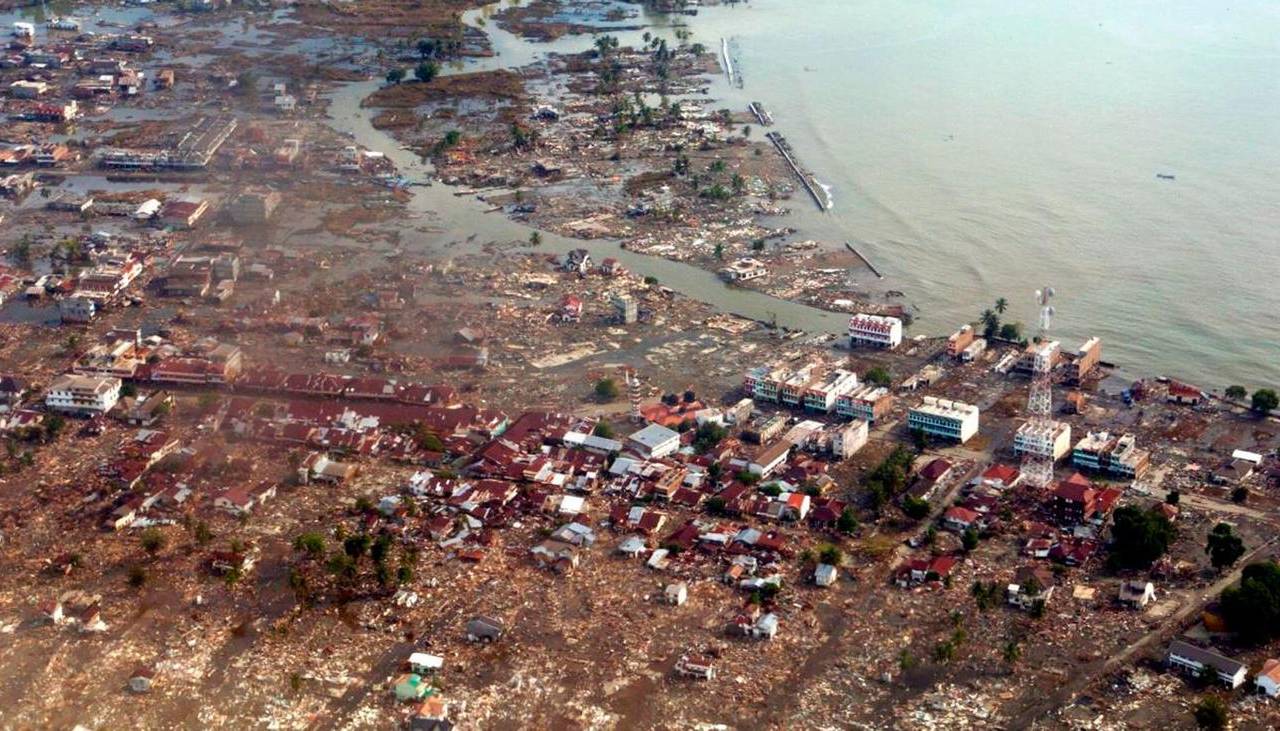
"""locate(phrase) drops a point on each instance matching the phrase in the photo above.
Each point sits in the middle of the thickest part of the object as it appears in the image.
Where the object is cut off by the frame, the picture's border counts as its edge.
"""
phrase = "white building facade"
(1052, 440)
(875, 330)
(952, 420)
(83, 394)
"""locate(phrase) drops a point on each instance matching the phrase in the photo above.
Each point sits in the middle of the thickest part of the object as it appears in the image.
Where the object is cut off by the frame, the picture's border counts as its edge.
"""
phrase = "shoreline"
(1122, 371)
(804, 273)
(691, 278)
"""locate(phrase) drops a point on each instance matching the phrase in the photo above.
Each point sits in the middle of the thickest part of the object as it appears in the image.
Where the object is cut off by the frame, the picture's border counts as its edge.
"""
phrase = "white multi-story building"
(764, 383)
(877, 330)
(1116, 455)
(83, 394)
(942, 418)
(654, 441)
(822, 393)
(1050, 440)
(848, 439)
(793, 388)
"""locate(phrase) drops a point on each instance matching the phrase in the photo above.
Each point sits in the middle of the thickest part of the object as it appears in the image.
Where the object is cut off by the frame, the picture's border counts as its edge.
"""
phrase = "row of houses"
(814, 388)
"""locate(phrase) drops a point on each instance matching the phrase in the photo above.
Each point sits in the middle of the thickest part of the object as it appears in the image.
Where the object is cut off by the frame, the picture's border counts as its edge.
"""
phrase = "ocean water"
(985, 149)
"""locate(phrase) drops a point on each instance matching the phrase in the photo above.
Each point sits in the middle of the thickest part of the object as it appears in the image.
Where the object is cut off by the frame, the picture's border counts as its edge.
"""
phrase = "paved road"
(1210, 504)
(1081, 680)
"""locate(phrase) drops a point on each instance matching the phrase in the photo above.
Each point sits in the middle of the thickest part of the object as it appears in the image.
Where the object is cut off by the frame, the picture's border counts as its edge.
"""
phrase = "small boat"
(1165, 176)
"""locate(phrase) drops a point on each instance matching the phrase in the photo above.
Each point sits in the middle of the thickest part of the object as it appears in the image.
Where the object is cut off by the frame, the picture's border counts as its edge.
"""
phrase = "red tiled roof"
(1002, 472)
(935, 470)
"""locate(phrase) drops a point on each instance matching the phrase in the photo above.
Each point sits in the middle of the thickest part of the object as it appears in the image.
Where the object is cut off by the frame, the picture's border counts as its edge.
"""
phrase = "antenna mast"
(1037, 468)
(633, 392)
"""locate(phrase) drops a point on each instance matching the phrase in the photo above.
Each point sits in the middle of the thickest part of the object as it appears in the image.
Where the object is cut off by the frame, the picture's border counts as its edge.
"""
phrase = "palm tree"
(1002, 304)
(990, 324)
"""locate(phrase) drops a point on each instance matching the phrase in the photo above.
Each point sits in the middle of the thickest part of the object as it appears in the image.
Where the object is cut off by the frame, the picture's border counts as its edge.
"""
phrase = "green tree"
(879, 376)
(914, 507)
(202, 533)
(427, 439)
(426, 71)
(847, 522)
(1011, 331)
(1224, 547)
(990, 324)
(707, 436)
(1139, 537)
(1236, 393)
(944, 652)
(311, 543)
(380, 551)
(535, 239)
(521, 137)
(969, 539)
(1211, 713)
(605, 45)
(1012, 652)
(395, 76)
(298, 583)
(1240, 495)
(22, 250)
(152, 540)
(1252, 608)
(1265, 401)
(53, 425)
(356, 546)
(984, 594)
(606, 389)
(718, 252)
(137, 576)
(341, 565)
(247, 83)
(426, 47)
(1002, 304)
(603, 430)
(715, 505)
(1173, 497)
(831, 554)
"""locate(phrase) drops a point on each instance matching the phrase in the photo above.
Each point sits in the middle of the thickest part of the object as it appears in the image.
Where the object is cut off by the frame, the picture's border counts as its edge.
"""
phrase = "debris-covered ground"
(343, 427)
